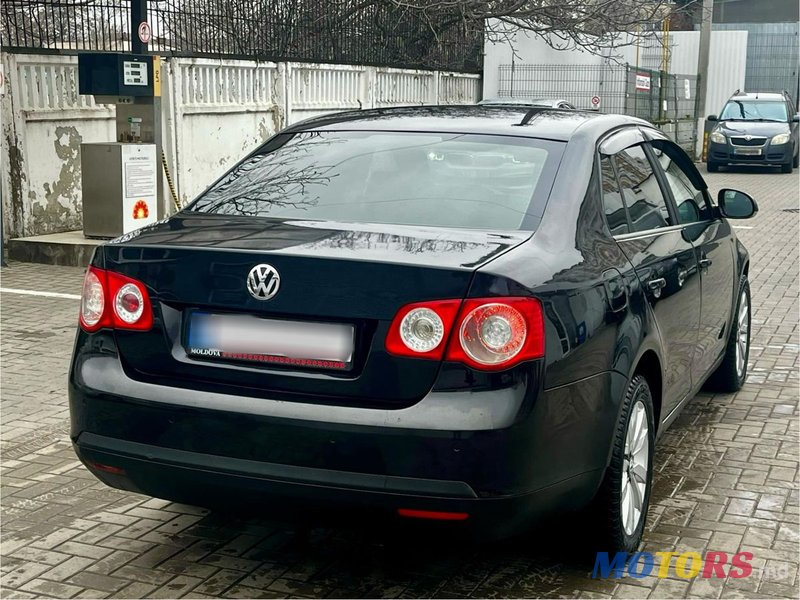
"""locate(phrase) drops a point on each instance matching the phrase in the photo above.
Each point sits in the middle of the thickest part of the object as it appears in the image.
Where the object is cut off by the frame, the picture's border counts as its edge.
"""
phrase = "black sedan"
(476, 315)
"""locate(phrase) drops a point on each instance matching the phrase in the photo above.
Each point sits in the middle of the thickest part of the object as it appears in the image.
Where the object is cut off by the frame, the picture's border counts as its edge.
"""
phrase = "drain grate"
(791, 210)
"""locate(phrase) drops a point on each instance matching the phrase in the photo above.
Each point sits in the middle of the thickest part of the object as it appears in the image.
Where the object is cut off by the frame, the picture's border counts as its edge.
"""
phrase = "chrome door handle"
(682, 277)
(704, 263)
(656, 285)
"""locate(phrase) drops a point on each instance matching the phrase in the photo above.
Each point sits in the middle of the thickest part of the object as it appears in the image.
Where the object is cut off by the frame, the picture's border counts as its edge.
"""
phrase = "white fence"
(214, 112)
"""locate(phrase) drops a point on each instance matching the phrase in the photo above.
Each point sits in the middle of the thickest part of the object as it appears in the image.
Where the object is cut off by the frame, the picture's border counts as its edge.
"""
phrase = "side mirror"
(796, 118)
(712, 118)
(734, 204)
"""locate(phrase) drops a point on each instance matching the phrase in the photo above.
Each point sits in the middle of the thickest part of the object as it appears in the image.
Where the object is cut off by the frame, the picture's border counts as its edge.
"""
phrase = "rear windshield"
(433, 179)
(754, 110)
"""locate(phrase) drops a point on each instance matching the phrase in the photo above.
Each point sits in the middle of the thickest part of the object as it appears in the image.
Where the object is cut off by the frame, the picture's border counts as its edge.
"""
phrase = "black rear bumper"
(503, 456)
(316, 495)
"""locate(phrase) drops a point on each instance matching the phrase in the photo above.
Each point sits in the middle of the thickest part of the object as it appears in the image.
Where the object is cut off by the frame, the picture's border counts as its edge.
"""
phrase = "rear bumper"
(725, 154)
(317, 495)
(504, 456)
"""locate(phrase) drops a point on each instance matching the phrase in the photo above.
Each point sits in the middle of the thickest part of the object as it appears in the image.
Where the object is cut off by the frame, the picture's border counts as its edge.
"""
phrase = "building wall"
(773, 62)
(756, 11)
(726, 62)
(214, 112)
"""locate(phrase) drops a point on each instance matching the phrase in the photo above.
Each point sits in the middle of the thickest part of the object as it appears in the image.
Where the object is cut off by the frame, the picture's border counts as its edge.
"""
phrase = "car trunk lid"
(355, 275)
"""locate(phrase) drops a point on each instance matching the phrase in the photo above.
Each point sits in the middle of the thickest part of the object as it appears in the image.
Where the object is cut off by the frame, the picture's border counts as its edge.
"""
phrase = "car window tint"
(691, 203)
(613, 204)
(643, 197)
(428, 179)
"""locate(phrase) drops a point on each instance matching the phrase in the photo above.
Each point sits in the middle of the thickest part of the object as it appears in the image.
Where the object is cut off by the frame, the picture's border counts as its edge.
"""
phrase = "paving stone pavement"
(726, 480)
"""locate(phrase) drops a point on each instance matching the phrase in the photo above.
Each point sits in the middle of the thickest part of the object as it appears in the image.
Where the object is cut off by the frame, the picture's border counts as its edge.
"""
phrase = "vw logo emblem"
(748, 137)
(263, 282)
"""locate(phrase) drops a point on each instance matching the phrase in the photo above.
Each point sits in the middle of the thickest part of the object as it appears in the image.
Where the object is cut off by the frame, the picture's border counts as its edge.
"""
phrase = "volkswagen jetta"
(477, 315)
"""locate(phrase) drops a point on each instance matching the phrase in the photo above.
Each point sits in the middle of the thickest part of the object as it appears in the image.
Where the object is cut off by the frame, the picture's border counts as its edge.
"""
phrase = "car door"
(714, 247)
(662, 258)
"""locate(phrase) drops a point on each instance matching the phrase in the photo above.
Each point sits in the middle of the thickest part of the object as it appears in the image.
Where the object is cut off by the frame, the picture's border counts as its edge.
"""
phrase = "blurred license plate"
(291, 343)
(747, 151)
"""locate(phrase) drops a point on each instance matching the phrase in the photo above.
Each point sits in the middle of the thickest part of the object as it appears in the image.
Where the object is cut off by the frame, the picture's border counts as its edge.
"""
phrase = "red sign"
(140, 210)
(145, 33)
(595, 101)
(642, 83)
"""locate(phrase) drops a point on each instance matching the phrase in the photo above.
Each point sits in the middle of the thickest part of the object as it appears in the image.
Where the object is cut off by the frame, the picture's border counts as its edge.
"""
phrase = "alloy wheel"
(634, 468)
(742, 334)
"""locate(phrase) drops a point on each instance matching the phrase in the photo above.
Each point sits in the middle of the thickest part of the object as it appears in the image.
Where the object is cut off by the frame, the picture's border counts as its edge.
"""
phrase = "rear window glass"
(433, 179)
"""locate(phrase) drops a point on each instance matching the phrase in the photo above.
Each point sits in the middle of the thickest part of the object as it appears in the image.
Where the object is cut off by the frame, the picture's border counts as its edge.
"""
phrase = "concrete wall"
(214, 112)
(44, 121)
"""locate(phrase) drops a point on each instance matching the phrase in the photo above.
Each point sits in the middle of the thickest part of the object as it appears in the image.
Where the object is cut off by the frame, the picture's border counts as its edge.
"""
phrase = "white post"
(702, 72)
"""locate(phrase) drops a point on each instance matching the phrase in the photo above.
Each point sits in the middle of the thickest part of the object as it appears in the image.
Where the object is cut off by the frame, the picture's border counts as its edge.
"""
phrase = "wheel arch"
(649, 366)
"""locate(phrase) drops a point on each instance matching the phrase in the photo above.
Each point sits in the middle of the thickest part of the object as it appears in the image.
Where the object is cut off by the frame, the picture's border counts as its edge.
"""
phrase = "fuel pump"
(122, 180)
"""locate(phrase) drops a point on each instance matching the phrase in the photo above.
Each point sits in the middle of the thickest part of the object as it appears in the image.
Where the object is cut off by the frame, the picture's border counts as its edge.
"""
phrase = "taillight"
(496, 333)
(489, 334)
(113, 300)
(421, 330)
(93, 299)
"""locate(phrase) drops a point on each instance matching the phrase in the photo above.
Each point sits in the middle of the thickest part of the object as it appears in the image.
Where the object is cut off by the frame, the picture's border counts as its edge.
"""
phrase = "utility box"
(123, 180)
(119, 184)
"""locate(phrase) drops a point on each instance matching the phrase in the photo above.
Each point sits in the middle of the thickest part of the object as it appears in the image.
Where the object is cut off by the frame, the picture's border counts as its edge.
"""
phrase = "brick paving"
(726, 480)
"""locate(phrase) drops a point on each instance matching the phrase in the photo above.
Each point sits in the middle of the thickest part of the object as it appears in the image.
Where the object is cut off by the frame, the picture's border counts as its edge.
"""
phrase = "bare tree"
(592, 25)
(445, 34)
(426, 32)
(65, 24)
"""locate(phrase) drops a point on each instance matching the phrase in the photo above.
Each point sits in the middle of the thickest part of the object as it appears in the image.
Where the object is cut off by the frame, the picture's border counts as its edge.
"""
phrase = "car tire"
(712, 167)
(796, 160)
(732, 372)
(620, 523)
(787, 167)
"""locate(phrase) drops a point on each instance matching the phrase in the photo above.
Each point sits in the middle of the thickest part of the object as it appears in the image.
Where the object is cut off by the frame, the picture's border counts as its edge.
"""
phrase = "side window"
(613, 204)
(691, 202)
(642, 194)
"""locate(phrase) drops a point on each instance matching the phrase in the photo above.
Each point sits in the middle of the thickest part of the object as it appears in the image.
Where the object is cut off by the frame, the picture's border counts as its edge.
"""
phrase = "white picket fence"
(214, 112)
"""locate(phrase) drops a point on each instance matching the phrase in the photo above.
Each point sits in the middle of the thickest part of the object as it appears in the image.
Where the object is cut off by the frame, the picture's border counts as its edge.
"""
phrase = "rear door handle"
(704, 263)
(656, 285)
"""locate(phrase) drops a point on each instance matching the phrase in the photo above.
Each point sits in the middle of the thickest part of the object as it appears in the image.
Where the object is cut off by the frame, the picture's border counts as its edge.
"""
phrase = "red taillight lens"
(93, 300)
(108, 468)
(489, 334)
(497, 333)
(421, 330)
(113, 300)
(435, 515)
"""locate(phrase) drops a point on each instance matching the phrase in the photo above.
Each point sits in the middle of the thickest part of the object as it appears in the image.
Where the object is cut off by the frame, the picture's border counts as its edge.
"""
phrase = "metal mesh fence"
(665, 99)
(66, 25)
(346, 31)
(577, 84)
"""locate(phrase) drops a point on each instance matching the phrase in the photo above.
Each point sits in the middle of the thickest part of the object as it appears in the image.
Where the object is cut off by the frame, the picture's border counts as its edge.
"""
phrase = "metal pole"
(702, 57)
(138, 16)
